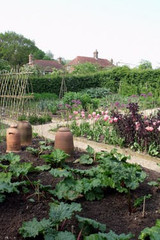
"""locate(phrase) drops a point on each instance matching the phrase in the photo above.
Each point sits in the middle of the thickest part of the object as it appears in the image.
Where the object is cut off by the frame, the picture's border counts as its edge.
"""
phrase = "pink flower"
(106, 112)
(70, 116)
(89, 116)
(76, 118)
(83, 115)
(97, 116)
(75, 112)
(82, 112)
(154, 123)
(106, 117)
(149, 129)
(115, 119)
(158, 128)
(102, 113)
(111, 120)
(94, 114)
(137, 125)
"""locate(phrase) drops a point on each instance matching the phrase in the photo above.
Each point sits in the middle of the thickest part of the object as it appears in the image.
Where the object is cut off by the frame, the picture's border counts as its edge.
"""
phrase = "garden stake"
(79, 235)
(144, 205)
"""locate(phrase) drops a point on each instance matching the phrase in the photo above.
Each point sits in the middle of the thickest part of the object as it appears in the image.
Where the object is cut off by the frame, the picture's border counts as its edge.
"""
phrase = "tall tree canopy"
(15, 49)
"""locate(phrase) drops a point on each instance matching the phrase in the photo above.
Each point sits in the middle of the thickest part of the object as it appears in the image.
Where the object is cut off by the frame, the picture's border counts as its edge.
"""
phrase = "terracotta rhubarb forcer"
(13, 139)
(64, 140)
(25, 130)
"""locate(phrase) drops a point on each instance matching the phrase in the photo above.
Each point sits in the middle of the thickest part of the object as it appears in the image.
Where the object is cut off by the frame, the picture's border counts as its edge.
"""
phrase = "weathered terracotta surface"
(13, 140)
(64, 140)
(25, 130)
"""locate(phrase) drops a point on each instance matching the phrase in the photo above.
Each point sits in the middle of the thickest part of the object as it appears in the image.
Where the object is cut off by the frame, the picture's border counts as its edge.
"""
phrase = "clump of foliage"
(52, 227)
(97, 92)
(12, 173)
(84, 99)
(56, 157)
(140, 133)
(112, 171)
(34, 119)
(151, 233)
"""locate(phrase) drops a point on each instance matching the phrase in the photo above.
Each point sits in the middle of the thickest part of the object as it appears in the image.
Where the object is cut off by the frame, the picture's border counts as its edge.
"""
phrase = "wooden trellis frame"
(15, 93)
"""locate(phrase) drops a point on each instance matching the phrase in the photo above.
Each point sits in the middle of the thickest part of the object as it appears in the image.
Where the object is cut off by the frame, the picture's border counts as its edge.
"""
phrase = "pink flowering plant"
(140, 133)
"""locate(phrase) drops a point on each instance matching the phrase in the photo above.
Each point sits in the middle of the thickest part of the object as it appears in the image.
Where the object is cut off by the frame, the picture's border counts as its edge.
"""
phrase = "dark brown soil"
(112, 210)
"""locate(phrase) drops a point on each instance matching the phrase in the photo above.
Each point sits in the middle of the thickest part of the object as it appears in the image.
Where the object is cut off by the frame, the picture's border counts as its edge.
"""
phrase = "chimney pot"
(30, 59)
(95, 54)
(59, 60)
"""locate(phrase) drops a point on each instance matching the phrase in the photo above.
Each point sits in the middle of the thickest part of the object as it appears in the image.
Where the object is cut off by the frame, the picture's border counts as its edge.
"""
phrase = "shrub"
(97, 92)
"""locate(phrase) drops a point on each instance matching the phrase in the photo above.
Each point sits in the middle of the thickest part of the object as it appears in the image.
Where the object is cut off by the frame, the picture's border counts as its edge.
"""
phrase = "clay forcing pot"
(13, 139)
(64, 140)
(25, 130)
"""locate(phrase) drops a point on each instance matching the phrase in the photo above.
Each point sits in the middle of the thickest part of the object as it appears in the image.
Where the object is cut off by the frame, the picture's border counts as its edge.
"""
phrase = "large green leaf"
(109, 236)
(42, 168)
(152, 233)
(18, 169)
(57, 156)
(86, 159)
(90, 150)
(11, 157)
(59, 172)
(62, 211)
(89, 225)
(33, 228)
(69, 189)
(54, 235)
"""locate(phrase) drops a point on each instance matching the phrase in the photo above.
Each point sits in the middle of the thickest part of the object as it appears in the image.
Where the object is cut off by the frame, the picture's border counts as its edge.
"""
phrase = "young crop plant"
(88, 225)
(111, 171)
(51, 228)
(152, 233)
(109, 236)
(12, 174)
(56, 157)
(88, 158)
(38, 151)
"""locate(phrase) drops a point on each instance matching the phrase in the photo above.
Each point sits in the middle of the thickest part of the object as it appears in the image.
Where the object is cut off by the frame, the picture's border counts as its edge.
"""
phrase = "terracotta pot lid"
(63, 129)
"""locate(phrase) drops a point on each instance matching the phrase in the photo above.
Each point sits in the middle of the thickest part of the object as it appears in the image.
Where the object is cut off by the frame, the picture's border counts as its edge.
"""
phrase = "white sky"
(125, 30)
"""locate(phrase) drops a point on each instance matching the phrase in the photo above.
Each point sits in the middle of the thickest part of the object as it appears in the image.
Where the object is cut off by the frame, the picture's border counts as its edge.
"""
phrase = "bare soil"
(112, 210)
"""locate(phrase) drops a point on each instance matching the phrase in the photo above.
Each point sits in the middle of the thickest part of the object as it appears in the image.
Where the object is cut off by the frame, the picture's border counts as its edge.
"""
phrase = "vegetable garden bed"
(112, 210)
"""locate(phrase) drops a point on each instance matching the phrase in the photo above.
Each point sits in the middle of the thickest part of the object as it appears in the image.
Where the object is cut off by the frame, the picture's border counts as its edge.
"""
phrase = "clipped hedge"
(119, 80)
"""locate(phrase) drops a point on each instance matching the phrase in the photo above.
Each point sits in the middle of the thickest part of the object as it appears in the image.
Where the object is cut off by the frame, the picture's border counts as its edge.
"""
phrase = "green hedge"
(120, 79)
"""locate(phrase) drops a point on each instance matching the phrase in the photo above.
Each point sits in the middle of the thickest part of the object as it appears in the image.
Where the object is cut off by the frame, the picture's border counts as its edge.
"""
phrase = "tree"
(86, 68)
(4, 65)
(144, 64)
(15, 49)
(48, 55)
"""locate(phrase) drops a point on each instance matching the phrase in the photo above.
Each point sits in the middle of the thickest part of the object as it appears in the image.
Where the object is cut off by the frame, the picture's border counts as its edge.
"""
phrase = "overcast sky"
(124, 30)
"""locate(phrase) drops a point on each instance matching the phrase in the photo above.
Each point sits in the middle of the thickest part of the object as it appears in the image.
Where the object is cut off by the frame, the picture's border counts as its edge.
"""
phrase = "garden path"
(140, 158)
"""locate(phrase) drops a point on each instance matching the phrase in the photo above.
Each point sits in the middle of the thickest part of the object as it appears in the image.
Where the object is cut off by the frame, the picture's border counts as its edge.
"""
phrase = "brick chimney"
(59, 60)
(30, 59)
(95, 54)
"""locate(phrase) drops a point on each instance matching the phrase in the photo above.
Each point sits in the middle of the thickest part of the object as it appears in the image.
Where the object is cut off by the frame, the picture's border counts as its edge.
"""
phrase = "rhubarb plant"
(52, 227)
(88, 225)
(152, 233)
(112, 171)
(109, 236)
(56, 157)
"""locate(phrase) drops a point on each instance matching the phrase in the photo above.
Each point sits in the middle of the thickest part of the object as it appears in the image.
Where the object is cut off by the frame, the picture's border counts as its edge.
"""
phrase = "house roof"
(47, 65)
(99, 61)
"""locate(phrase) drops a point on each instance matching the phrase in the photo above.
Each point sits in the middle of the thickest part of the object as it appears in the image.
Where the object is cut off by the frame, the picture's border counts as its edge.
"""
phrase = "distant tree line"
(15, 49)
